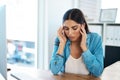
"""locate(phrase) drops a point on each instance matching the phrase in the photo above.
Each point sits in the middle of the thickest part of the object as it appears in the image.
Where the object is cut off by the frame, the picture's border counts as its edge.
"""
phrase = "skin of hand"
(62, 38)
(61, 35)
(83, 38)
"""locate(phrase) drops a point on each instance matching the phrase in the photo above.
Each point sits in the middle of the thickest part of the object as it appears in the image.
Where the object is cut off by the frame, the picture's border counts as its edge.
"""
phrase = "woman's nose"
(70, 32)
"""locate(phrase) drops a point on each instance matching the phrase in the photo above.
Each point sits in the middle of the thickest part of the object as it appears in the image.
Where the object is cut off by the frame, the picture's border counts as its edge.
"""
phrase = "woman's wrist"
(84, 49)
(61, 48)
(62, 43)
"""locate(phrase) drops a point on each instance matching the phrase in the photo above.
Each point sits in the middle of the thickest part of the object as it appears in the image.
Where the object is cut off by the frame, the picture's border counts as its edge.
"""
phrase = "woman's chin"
(73, 40)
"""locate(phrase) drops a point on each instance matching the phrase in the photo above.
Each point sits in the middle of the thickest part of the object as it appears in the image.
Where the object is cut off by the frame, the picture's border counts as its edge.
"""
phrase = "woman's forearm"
(61, 49)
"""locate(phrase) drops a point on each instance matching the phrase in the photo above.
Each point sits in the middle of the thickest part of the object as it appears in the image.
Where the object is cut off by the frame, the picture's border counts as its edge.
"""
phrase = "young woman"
(77, 50)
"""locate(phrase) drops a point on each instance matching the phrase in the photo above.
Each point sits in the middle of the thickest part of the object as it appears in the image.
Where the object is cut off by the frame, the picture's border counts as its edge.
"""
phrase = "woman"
(77, 50)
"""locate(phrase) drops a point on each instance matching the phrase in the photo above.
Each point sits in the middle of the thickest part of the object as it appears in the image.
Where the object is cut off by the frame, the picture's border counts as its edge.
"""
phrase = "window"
(21, 28)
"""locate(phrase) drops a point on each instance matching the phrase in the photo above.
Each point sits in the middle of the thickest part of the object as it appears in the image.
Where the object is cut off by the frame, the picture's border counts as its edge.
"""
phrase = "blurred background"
(31, 27)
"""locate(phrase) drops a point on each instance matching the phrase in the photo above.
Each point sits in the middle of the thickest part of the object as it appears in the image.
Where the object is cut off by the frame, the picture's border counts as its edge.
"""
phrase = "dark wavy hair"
(77, 16)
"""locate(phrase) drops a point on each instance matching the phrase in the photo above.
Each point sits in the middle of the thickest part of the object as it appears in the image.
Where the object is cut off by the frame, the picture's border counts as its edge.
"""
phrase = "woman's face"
(72, 30)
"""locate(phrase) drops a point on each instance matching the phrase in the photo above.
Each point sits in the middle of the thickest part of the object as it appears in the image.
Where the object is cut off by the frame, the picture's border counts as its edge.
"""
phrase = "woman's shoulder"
(93, 35)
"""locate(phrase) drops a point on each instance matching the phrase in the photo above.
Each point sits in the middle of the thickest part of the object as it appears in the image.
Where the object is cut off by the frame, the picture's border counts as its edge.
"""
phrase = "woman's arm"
(94, 59)
(57, 60)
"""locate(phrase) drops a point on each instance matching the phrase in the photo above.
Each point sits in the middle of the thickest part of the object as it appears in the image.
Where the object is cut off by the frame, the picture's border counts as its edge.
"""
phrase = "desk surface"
(1, 77)
(47, 75)
(110, 73)
(68, 76)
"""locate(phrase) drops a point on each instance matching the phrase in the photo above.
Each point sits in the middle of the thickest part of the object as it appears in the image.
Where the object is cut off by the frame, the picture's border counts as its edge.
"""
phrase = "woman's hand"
(61, 36)
(83, 39)
(63, 39)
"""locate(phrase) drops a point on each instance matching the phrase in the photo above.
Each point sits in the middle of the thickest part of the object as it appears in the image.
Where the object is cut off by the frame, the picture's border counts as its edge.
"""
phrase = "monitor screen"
(112, 55)
(3, 60)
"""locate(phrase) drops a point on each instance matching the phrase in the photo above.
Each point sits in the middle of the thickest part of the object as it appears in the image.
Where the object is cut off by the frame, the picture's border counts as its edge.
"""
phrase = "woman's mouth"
(70, 37)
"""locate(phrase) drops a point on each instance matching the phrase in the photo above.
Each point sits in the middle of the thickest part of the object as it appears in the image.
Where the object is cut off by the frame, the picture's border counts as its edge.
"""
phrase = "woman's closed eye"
(66, 28)
(74, 27)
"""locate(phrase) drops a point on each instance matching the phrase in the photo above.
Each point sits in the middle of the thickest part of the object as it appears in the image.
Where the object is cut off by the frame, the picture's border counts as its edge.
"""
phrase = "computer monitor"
(112, 55)
(3, 60)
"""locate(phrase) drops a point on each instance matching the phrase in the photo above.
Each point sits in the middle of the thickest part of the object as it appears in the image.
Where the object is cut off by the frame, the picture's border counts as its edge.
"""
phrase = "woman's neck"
(75, 49)
(76, 43)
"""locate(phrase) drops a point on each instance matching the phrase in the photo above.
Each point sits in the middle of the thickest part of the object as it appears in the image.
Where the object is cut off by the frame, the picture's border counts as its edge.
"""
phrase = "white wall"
(91, 9)
(106, 4)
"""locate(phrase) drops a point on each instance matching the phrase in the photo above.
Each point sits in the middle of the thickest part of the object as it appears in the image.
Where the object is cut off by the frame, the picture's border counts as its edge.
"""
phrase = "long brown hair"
(77, 16)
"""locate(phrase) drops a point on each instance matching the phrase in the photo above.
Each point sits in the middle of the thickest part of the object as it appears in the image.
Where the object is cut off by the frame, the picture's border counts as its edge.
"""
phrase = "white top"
(75, 66)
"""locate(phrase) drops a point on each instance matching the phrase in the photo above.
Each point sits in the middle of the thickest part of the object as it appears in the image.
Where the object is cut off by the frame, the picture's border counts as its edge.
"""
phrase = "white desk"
(1, 77)
(47, 75)
(111, 72)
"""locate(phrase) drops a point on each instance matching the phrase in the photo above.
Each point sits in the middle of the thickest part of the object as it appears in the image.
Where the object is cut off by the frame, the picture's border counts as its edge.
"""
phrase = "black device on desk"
(112, 55)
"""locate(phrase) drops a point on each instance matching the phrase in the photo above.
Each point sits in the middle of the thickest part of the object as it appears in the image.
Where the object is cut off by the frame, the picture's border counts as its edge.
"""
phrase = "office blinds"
(91, 9)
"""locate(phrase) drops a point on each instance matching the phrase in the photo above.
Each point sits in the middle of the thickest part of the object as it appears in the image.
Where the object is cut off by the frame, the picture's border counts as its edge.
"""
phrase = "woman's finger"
(83, 29)
(81, 32)
(61, 32)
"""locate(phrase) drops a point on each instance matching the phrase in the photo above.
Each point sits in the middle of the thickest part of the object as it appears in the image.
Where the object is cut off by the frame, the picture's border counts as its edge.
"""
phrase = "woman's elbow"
(98, 72)
(53, 69)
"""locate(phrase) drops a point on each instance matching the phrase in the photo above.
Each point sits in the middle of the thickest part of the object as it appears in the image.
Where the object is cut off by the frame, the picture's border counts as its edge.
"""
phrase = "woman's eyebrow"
(71, 27)
(65, 27)
(75, 26)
